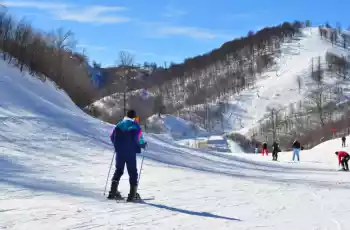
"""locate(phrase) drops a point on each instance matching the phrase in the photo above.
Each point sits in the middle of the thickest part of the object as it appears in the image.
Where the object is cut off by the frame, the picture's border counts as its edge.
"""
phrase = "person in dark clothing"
(296, 149)
(264, 149)
(275, 150)
(128, 140)
(343, 158)
(343, 141)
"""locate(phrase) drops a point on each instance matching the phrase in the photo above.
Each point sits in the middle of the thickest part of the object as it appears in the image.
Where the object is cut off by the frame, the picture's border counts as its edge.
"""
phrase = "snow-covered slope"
(189, 134)
(177, 127)
(54, 162)
(112, 105)
(278, 87)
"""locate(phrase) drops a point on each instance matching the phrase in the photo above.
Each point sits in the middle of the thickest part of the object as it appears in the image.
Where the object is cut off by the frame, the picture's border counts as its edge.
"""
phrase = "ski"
(342, 170)
(124, 199)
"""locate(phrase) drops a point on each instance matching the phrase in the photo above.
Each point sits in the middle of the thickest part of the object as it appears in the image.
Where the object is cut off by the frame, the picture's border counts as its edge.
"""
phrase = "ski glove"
(143, 145)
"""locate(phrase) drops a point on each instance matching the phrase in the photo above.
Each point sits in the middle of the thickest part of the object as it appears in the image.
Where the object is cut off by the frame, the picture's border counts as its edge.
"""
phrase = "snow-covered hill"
(54, 162)
(285, 86)
(279, 87)
(177, 127)
(113, 105)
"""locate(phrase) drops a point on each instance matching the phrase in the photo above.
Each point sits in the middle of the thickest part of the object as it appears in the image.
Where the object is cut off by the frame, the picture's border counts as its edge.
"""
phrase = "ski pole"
(109, 171)
(143, 157)
(138, 181)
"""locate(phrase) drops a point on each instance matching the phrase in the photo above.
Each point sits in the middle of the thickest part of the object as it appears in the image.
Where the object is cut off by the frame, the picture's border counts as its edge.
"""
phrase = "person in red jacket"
(343, 158)
(264, 149)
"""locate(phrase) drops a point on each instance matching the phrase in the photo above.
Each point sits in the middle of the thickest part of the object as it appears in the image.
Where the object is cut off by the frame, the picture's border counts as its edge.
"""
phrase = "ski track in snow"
(54, 161)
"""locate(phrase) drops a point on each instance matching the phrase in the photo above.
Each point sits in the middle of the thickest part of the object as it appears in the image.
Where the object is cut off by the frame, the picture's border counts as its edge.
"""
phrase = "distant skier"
(296, 149)
(343, 141)
(343, 158)
(275, 150)
(127, 139)
(264, 149)
(256, 148)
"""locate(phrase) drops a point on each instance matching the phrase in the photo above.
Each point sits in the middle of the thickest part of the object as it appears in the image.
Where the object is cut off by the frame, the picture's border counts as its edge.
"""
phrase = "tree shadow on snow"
(49, 186)
(9, 167)
(184, 211)
(18, 175)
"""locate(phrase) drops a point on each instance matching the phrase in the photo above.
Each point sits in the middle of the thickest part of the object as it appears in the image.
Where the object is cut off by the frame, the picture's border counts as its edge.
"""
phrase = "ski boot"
(133, 195)
(114, 194)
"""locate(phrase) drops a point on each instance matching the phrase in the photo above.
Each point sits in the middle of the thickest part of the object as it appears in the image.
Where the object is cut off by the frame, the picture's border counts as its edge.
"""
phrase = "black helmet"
(131, 114)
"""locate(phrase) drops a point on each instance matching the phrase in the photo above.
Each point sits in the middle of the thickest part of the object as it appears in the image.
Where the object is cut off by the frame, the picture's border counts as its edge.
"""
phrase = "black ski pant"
(274, 155)
(343, 143)
(344, 162)
(130, 161)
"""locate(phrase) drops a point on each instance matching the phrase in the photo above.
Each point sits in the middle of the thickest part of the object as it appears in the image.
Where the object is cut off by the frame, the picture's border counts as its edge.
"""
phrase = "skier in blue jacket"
(128, 140)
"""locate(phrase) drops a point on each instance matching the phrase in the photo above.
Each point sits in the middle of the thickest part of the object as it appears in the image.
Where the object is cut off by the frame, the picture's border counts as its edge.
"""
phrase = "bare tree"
(338, 64)
(299, 82)
(6, 32)
(158, 103)
(45, 55)
(345, 39)
(22, 38)
(334, 37)
(126, 60)
(317, 103)
(275, 122)
(62, 41)
(317, 71)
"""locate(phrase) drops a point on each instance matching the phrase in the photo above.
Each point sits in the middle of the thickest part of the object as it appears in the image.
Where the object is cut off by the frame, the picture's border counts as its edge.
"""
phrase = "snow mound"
(325, 152)
(111, 101)
(112, 105)
(177, 127)
(340, 53)
(346, 33)
(188, 134)
(214, 143)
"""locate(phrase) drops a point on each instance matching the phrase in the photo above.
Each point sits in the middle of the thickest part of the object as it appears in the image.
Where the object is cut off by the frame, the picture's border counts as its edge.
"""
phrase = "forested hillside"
(223, 71)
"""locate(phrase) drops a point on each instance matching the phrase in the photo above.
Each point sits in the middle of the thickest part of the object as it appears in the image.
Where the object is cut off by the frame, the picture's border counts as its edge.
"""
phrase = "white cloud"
(94, 14)
(69, 12)
(172, 12)
(34, 4)
(193, 32)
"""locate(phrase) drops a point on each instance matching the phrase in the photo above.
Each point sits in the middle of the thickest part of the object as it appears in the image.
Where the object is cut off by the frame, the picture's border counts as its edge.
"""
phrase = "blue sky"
(167, 30)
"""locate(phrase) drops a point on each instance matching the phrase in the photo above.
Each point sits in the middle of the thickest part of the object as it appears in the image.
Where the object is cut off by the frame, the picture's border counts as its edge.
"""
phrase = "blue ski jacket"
(127, 137)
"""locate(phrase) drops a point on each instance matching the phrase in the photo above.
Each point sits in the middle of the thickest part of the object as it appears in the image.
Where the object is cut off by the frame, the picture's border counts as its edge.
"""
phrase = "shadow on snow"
(184, 211)
(13, 173)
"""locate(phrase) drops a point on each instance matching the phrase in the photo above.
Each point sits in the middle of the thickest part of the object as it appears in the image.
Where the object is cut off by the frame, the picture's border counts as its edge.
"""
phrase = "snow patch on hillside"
(113, 104)
(177, 127)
